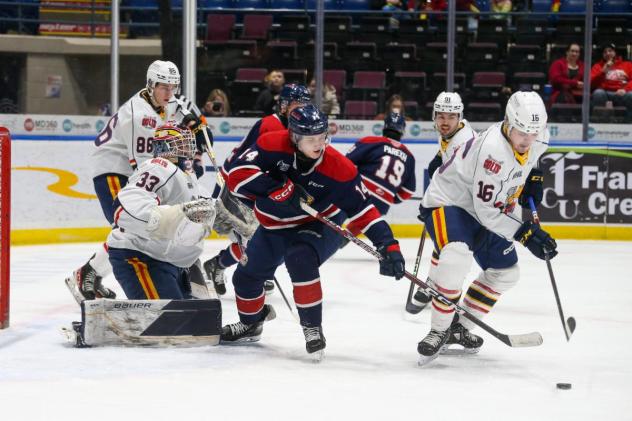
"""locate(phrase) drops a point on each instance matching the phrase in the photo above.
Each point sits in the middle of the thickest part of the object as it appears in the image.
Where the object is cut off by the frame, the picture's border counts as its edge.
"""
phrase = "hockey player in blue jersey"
(386, 166)
(276, 173)
(291, 97)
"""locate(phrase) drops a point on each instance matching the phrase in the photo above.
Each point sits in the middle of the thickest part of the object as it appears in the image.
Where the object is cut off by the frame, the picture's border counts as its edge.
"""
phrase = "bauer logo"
(377, 129)
(224, 127)
(67, 125)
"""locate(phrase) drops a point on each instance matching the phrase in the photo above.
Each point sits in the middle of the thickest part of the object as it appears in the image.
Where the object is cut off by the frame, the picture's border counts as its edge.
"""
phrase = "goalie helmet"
(172, 141)
(526, 112)
(448, 102)
(293, 93)
(162, 72)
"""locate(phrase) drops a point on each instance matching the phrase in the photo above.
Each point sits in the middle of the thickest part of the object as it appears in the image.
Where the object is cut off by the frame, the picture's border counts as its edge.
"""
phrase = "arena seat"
(360, 110)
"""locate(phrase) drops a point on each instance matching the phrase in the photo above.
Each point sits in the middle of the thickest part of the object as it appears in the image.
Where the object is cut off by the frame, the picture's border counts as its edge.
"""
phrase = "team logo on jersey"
(492, 166)
(149, 122)
(283, 166)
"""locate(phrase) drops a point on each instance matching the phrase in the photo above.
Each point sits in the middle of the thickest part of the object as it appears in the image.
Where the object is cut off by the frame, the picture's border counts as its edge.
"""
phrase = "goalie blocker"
(149, 323)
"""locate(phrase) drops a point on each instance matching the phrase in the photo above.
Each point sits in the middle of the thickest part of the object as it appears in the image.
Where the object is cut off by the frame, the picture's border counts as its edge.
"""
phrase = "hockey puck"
(564, 386)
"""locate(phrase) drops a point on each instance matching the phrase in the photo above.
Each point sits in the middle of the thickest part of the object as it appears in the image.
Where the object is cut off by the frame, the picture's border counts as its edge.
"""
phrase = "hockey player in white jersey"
(470, 211)
(125, 143)
(453, 130)
(162, 217)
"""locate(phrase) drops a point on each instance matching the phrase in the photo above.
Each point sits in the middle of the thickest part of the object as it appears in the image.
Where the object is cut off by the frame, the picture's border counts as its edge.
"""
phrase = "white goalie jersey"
(485, 177)
(157, 182)
(126, 141)
(462, 135)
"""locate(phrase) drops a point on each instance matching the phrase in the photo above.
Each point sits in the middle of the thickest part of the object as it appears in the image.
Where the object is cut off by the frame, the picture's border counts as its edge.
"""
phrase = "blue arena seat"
(613, 6)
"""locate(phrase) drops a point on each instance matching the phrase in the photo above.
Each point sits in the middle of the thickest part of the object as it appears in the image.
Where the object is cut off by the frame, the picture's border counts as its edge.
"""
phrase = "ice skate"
(215, 273)
(431, 345)
(315, 342)
(241, 332)
(418, 302)
(459, 335)
(85, 284)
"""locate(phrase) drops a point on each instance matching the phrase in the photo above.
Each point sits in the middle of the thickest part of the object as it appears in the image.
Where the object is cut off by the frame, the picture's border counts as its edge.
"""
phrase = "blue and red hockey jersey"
(387, 168)
(333, 182)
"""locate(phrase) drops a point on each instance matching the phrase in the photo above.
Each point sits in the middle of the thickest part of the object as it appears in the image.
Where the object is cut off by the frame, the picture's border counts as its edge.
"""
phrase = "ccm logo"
(284, 194)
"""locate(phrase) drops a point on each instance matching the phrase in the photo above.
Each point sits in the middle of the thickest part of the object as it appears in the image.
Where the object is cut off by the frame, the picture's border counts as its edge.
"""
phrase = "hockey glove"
(392, 263)
(198, 126)
(289, 195)
(434, 165)
(538, 241)
(532, 188)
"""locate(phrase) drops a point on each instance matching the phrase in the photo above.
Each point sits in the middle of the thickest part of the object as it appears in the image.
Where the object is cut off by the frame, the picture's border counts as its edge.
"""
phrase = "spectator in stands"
(267, 99)
(396, 7)
(565, 76)
(500, 6)
(329, 104)
(216, 104)
(611, 79)
(395, 104)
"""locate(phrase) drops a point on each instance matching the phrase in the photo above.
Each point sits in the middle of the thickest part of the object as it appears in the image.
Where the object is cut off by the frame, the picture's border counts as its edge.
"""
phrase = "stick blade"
(525, 340)
(572, 324)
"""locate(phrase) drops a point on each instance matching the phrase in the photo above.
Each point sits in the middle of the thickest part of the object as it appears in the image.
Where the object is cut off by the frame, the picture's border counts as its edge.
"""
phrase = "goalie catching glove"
(186, 224)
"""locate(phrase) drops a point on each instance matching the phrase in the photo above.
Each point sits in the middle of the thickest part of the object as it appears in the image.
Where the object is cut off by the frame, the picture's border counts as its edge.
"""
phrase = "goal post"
(5, 224)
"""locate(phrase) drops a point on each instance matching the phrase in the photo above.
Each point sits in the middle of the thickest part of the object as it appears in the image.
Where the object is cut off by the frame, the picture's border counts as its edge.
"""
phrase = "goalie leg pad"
(302, 264)
(151, 322)
(143, 277)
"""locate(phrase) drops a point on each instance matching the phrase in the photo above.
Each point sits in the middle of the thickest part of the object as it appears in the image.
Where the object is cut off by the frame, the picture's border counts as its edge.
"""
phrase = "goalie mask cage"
(5, 227)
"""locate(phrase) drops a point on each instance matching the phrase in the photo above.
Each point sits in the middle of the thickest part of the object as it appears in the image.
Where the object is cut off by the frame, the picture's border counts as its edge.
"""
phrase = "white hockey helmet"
(448, 102)
(162, 72)
(526, 112)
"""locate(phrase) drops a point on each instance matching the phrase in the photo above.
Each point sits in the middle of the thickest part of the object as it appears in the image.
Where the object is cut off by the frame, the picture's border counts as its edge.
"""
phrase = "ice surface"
(370, 368)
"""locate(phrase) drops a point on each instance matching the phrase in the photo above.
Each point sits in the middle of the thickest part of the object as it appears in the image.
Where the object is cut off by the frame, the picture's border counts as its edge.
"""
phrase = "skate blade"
(72, 287)
(241, 341)
(424, 360)
(317, 356)
(446, 350)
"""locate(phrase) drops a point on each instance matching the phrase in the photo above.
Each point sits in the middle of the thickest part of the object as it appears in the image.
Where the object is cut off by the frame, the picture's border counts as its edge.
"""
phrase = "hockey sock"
(454, 263)
(100, 262)
(302, 264)
(230, 255)
(249, 295)
(486, 290)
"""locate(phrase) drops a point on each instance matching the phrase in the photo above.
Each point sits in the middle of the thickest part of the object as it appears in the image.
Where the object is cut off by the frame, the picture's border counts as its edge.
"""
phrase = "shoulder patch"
(337, 166)
(277, 141)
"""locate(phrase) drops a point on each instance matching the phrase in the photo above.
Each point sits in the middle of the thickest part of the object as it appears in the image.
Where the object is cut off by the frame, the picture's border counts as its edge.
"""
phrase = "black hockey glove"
(289, 195)
(392, 263)
(423, 213)
(198, 126)
(538, 241)
(434, 165)
(532, 188)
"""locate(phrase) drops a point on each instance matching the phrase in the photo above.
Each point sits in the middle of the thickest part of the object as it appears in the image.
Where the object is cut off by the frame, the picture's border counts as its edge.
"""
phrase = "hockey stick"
(522, 340)
(570, 324)
(287, 303)
(409, 306)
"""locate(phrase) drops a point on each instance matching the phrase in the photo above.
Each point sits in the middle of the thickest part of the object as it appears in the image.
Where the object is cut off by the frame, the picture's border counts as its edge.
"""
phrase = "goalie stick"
(569, 324)
(520, 340)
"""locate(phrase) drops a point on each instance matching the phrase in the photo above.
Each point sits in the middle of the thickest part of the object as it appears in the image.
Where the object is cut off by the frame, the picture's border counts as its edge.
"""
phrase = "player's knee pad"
(301, 261)
(500, 280)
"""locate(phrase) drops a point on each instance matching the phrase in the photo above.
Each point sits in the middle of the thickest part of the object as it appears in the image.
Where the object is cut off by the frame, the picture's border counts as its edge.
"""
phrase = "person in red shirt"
(611, 79)
(565, 75)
